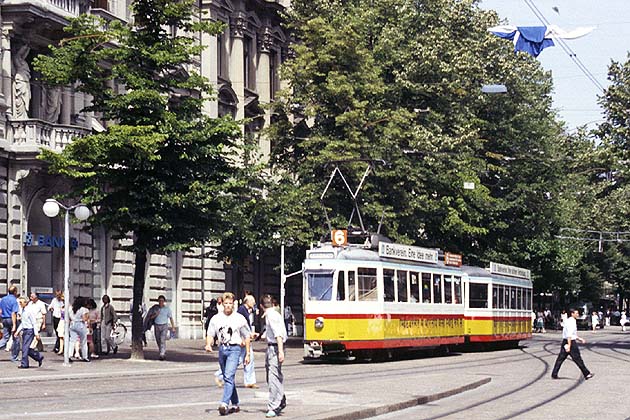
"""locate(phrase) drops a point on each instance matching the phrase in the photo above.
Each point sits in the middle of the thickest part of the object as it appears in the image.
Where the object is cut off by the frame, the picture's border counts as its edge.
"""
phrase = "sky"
(575, 96)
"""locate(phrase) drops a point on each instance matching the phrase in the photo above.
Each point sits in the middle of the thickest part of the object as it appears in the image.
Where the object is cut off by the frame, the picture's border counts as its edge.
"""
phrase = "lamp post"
(51, 209)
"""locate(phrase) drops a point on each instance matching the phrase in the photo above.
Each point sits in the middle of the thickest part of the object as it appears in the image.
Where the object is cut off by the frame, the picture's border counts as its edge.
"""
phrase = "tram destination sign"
(407, 252)
(510, 271)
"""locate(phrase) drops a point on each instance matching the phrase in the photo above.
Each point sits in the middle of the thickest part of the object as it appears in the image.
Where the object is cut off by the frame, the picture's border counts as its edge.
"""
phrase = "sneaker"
(589, 376)
(271, 414)
(40, 361)
(554, 376)
(161, 357)
(223, 409)
(235, 409)
(283, 403)
(115, 349)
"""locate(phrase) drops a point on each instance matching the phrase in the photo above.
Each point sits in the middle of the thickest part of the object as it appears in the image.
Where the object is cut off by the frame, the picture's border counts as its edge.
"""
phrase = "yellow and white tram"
(362, 299)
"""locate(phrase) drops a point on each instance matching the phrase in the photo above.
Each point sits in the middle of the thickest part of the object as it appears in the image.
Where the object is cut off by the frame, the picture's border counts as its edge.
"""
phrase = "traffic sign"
(339, 237)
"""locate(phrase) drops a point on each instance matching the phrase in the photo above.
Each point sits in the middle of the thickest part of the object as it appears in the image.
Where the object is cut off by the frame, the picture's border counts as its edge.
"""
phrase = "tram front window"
(320, 285)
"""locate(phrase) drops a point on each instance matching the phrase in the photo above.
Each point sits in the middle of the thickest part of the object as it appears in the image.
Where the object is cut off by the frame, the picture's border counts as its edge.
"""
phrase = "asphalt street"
(503, 384)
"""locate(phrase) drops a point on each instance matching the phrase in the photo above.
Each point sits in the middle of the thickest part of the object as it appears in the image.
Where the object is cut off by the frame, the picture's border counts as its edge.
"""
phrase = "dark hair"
(574, 310)
(91, 304)
(266, 301)
(161, 297)
(79, 302)
(106, 299)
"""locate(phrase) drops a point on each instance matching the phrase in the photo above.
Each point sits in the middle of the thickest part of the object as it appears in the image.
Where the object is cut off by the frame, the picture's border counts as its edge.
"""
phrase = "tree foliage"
(162, 169)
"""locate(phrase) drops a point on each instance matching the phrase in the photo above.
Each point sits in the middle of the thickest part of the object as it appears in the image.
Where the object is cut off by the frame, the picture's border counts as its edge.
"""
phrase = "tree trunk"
(137, 332)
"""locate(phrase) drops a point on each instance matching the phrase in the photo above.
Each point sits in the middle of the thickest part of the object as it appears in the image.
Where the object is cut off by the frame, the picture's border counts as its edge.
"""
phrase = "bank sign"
(50, 241)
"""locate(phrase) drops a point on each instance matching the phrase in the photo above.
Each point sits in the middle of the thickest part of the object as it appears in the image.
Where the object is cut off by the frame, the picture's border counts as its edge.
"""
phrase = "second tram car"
(364, 299)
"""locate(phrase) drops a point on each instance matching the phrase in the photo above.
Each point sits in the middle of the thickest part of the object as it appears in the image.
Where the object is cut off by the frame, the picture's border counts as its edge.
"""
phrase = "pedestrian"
(109, 317)
(10, 308)
(94, 330)
(276, 337)
(563, 317)
(40, 311)
(288, 318)
(30, 328)
(594, 320)
(232, 332)
(56, 305)
(210, 311)
(247, 310)
(623, 320)
(161, 318)
(78, 316)
(570, 347)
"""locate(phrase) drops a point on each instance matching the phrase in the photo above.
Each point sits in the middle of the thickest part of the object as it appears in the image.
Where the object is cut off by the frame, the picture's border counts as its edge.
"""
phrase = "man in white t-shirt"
(570, 347)
(40, 313)
(276, 337)
(56, 305)
(232, 331)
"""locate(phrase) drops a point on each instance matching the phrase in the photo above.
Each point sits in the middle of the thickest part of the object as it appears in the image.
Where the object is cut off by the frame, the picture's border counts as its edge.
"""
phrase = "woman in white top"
(56, 305)
(623, 321)
(78, 326)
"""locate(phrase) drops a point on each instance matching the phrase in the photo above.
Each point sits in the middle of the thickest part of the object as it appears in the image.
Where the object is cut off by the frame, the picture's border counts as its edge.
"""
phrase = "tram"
(377, 297)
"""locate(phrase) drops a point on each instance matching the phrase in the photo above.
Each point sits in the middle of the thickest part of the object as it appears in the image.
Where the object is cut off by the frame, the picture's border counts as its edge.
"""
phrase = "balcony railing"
(66, 8)
(32, 134)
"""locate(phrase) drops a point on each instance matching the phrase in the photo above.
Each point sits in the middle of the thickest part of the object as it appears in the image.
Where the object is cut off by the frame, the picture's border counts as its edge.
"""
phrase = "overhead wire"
(567, 49)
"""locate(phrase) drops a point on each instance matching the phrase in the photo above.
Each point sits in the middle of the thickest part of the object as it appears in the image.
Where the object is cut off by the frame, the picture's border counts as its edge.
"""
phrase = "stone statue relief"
(52, 105)
(21, 83)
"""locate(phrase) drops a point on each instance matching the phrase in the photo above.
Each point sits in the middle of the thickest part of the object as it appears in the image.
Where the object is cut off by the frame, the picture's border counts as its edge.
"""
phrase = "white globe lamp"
(51, 208)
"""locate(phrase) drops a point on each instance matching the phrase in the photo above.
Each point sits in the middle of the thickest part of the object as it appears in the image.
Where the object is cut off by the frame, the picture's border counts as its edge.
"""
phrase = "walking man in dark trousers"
(570, 347)
(29, 327)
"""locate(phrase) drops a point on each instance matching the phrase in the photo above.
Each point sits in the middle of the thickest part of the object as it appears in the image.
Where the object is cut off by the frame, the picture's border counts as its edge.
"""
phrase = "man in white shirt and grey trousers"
(276, 337)
(570, 347)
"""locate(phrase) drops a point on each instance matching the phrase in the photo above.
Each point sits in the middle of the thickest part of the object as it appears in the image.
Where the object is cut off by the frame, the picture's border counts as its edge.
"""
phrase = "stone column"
(209, 60)
(66, 106)
(238, 24)
(7, 87)
(263, 84)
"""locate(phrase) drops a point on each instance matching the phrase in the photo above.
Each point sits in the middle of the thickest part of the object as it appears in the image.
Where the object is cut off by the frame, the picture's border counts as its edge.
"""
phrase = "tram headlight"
(319, 323)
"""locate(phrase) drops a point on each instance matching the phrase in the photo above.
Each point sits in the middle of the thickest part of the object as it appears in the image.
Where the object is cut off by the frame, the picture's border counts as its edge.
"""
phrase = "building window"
(273, 76)
(221, 55)
(247, 61)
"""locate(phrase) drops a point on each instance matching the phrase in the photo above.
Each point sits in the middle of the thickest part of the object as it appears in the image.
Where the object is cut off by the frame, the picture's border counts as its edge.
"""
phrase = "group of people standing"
(233, 331)
(23, 320)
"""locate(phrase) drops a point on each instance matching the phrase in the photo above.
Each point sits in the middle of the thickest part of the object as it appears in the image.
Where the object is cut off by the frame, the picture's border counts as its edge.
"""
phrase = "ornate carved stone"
(238, 26)
(265, 40)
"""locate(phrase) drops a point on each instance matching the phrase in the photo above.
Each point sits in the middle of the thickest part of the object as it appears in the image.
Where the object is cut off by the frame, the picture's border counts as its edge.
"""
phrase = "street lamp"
(51, 209)
(283, 278)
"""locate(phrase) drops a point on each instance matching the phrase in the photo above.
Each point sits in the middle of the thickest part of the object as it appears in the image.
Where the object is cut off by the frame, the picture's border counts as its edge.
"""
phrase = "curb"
(420, 400)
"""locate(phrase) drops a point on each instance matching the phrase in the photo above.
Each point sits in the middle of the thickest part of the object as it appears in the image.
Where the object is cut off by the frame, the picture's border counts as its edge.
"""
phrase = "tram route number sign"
(452, 259)
(339, 237)
(407, 252)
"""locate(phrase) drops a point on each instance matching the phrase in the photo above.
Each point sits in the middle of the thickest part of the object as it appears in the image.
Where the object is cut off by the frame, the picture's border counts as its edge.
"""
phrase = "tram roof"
(367, 254)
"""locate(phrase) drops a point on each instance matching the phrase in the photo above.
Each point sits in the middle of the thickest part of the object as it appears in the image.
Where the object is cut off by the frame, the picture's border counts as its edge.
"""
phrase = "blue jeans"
(27, 338)
(249, 374)
(78, 331)
(228, 360)
(7, 326)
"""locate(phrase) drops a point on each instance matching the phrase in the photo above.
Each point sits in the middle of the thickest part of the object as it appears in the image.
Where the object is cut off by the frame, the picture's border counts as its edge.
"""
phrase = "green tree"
(401, 81)
(161, 170)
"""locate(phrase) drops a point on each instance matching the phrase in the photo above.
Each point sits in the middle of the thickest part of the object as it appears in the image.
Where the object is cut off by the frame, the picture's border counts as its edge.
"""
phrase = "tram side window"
(528, 299)
(478, 296)
(437, 288)
(495, 297)
(457, 285)
(506, 298)
(351, 286)
(519, 298)
(341, 287)
(426, 288)
(501, 297)
(414, 281)
(448, 289)
(402, 286)
(367, 284)
(513, 304)
(320, 286)
(388, 283)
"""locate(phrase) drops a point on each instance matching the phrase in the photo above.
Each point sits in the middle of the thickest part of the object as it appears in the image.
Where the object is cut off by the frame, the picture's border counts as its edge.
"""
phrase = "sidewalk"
(314, 391)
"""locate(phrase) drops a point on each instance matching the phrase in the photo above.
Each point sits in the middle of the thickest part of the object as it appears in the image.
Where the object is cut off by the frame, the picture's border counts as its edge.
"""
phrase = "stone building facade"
(242, 63)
